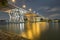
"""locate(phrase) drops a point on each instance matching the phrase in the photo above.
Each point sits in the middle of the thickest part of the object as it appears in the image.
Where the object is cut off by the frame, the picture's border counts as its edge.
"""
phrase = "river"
(34, 30)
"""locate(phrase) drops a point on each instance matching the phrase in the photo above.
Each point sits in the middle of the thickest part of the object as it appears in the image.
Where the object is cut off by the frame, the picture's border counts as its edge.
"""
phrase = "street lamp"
(24, 6)
(13, 1)
(30, 9)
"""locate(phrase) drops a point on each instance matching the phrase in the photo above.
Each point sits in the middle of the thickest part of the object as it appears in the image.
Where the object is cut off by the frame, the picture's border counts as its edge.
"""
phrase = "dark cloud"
(51, 12)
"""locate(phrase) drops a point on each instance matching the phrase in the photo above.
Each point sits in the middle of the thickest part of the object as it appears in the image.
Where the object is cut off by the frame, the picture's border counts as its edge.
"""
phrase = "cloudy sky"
(47, 8)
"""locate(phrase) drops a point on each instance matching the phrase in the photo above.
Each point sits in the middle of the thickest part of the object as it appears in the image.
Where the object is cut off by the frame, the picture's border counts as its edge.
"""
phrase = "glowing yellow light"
(34, 29)
(29, 33)
(13, 0)
(24, 6)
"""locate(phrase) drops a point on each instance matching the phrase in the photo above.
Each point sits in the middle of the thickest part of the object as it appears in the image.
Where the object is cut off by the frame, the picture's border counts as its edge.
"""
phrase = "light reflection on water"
(35, 30)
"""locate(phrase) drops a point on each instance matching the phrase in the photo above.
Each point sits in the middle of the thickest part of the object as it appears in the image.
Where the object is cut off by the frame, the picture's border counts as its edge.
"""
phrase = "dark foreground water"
(35, 30)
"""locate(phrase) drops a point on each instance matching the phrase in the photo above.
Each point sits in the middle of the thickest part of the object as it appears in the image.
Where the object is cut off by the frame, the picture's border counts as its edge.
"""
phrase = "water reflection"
(34, 30)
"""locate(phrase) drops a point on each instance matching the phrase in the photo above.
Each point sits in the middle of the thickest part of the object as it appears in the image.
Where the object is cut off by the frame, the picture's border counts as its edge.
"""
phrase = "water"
(34, 30)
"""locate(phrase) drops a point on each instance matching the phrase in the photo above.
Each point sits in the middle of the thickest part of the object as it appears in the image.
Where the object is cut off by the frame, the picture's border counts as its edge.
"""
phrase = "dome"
(4, 16)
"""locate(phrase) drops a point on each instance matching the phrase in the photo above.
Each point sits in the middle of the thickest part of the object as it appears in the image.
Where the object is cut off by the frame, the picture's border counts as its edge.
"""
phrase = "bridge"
(22, 15)
(18, 14)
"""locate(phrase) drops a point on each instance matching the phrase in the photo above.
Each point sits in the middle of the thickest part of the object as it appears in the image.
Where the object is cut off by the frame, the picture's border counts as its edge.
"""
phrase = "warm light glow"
(43, 26)
(30, 9)
(8, 11)
(24, 6)
(13, 0)
(29, 33)
(33, 30)
(37, 28)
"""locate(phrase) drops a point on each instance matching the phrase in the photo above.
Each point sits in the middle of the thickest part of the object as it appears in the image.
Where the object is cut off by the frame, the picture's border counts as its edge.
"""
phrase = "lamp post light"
(24, 6)
(13, 1)
(30, 9)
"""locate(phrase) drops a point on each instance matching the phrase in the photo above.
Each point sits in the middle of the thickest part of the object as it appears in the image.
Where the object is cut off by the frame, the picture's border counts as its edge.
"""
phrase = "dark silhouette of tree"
(3, 3)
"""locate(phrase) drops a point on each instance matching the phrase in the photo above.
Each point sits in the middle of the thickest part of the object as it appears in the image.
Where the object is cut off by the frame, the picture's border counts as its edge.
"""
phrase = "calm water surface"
(35, 30)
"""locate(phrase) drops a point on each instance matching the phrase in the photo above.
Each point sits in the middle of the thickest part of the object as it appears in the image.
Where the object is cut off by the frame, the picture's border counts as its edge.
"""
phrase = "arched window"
(25, 18)
(41, 19)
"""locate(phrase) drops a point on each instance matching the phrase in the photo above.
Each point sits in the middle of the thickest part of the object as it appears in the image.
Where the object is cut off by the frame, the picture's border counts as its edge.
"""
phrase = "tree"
(3, 3)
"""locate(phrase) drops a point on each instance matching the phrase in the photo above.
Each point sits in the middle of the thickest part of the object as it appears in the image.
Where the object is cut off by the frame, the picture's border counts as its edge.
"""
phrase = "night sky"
(47, 8)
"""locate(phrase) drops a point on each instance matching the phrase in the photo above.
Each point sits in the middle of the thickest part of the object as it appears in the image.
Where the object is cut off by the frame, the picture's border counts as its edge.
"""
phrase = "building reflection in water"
(33, 27)
(34, 30)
